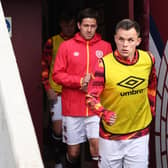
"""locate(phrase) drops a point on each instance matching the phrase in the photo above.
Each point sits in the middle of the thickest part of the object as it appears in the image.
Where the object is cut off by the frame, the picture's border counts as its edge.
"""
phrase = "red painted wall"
(26, 40)
(159, 12)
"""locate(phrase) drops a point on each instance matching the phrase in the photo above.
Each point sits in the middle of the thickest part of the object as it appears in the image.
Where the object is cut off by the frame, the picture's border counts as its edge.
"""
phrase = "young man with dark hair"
(123, 94)
(67, 24)
(73, 69)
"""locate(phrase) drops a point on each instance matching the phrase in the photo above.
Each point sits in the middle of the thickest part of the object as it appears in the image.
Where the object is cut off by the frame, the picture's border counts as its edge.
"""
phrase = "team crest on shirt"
(99, 53)
(76, 53)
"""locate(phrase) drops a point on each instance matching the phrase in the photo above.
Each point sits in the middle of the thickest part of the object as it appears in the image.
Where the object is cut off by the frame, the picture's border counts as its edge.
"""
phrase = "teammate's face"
(87, 28)
(68, 28)
(127, 41)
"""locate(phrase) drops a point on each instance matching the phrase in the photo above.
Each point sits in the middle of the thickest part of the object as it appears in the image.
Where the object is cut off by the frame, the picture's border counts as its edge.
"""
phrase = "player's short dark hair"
(127, 24)
(87, 13)
(66, 15)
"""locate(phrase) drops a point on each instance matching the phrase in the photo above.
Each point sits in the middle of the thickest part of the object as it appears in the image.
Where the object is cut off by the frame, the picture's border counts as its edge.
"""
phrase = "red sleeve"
(60, 74)
(45, 63)
(152, 87)
(95, 88)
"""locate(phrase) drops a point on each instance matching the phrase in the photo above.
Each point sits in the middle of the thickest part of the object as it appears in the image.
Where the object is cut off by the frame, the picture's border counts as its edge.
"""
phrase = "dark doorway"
(110, 13)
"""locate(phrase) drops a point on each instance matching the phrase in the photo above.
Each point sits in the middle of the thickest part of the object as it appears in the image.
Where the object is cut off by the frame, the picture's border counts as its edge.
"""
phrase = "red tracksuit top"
(75, 58)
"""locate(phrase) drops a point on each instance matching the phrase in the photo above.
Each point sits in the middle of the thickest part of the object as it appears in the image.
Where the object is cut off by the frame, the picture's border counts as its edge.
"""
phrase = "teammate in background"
(68, 27)
(73, 69)
(123, 94)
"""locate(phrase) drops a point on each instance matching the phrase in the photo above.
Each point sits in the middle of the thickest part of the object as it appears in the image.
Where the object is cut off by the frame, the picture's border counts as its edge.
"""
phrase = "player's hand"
(109, 117)
(85, 82)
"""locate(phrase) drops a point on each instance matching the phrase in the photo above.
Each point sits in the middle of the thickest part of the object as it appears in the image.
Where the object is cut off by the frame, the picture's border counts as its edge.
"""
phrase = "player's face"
(87, 28)
(127, 41)
(68, 28)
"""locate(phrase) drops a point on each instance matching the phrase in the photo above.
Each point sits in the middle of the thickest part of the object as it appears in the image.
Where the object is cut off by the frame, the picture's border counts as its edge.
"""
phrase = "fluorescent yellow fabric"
(125, 93)
(56, 41)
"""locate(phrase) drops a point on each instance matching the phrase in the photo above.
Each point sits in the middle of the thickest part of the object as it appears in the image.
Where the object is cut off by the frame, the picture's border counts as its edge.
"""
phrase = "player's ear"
(78, 25)
(139, 41)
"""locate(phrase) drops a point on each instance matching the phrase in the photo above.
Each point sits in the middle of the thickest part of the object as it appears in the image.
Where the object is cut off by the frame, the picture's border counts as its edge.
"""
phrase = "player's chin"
(89, 37)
